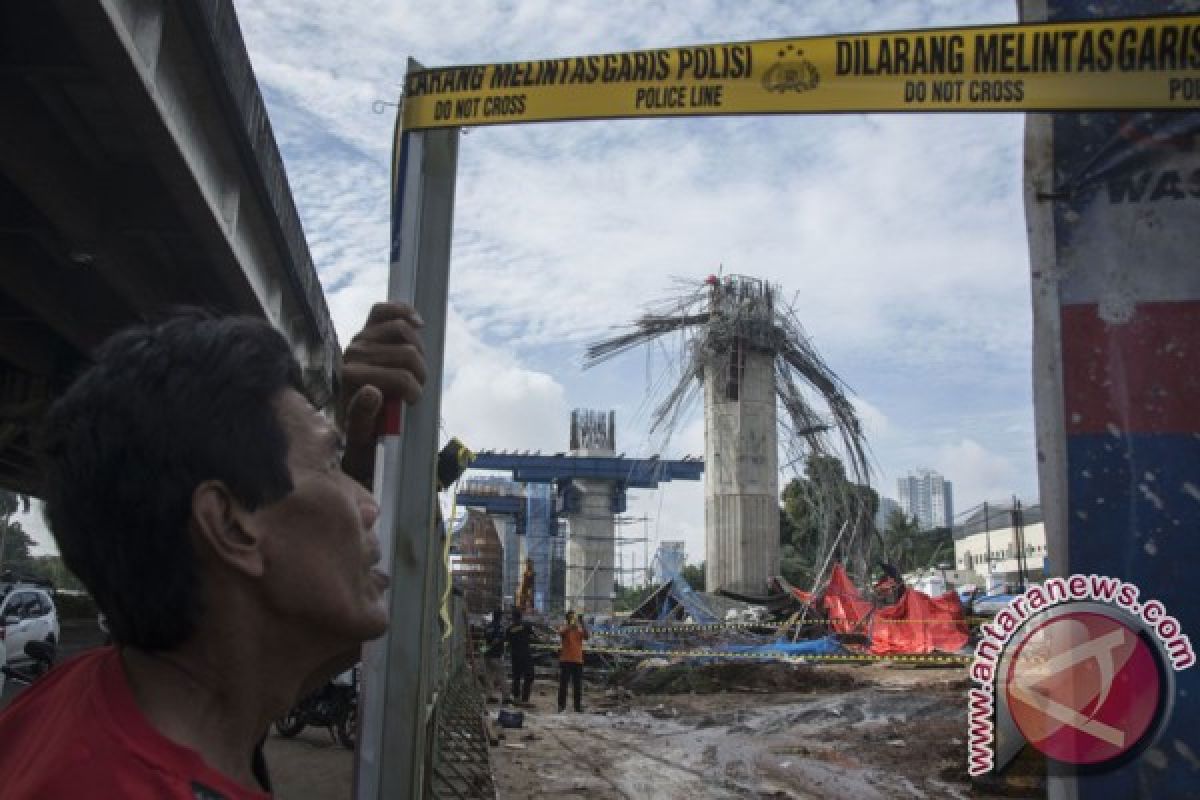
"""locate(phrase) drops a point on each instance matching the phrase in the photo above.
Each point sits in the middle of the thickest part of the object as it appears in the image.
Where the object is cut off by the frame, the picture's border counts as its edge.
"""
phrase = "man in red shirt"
(210, 510)
(570, 661)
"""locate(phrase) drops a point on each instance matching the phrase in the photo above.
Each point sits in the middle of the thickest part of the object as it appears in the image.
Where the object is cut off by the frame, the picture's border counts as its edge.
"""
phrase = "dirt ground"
(310, 767)
(778, 730)
(840, 731)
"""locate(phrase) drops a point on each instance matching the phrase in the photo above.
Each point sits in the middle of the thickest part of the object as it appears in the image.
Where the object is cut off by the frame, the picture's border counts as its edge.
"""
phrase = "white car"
(27, 614)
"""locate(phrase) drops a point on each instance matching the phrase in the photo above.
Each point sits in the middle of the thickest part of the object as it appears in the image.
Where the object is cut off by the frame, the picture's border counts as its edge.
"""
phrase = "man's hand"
(385, 361)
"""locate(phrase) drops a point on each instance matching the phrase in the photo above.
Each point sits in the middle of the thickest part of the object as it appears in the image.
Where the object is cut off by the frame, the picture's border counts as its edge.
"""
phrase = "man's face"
(322, 554)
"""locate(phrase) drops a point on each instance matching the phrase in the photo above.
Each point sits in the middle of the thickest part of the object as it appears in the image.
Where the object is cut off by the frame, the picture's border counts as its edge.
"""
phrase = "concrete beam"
(169, 66)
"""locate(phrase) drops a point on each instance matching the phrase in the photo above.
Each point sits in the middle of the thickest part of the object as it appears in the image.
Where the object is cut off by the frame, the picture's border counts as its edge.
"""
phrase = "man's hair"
(163, 408)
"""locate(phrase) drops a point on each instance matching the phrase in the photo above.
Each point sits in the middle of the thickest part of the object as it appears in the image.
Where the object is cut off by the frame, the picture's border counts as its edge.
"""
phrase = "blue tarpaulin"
(824, 646)
(681, 593)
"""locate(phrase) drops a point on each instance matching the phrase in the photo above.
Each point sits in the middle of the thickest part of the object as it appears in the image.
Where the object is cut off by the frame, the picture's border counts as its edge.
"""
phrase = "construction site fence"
(944, 659)
(719, 626)
(457, 759)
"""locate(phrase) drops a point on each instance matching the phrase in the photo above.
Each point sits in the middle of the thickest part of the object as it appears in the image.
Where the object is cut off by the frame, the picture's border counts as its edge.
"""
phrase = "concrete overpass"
(591, 484)
(138, 171)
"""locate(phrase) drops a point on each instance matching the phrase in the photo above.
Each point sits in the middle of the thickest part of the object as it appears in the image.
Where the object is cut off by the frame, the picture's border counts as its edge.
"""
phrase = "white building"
(989, 544)
(935, 582)
(927, 496)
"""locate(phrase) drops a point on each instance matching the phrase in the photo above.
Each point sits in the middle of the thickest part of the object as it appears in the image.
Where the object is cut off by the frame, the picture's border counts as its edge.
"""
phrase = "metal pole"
(397, 680)
(987, 540)
(645, 551)
(1019, 538)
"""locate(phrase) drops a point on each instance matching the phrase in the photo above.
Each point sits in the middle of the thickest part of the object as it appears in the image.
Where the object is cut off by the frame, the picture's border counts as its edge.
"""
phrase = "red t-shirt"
(78, 733)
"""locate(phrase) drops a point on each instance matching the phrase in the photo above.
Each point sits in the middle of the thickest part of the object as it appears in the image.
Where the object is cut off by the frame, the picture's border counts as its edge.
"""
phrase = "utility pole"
(645, 551)
(620, 577)
(1019, 540)
(987, 538)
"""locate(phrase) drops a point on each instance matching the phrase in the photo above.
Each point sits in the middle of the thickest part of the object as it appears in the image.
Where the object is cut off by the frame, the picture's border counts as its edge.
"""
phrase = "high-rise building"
(927, 496)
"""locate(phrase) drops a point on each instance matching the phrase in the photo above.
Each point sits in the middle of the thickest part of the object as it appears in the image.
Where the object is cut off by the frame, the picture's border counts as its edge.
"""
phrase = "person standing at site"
(519, 634)
(570, 660)
(224, 526)
(493, 657)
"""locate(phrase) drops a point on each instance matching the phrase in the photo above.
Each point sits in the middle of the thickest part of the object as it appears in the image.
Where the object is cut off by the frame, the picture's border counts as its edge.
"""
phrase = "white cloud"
(978, 474)
(497, 406)
(875, 423)
(491, 401)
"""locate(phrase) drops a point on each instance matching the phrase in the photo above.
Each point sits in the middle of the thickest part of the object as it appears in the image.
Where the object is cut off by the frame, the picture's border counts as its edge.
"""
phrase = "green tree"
(694, 575)
(53, 569)
(16, 554)
(814, 508)
(15, 543)
(900, 525)
(630, 597)
(909, 548)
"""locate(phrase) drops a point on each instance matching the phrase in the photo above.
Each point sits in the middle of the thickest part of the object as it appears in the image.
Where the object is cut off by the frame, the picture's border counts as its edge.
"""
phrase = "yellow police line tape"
(760, 656)
(1103, 65)
(717, 626)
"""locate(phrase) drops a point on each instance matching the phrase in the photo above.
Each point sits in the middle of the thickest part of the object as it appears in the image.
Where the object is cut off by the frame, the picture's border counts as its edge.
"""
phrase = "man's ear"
(224, 526)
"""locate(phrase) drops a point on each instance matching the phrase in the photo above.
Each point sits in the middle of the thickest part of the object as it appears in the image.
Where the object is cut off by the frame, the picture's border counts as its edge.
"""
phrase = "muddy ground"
(790, 731)
(723, 731)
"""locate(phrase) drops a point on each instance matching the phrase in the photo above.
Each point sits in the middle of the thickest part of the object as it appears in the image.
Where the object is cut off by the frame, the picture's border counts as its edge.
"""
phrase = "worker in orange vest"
(570, 660)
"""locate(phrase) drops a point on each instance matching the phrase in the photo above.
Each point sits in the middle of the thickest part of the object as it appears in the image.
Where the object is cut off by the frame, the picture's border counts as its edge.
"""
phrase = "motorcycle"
(41, 655)
(334, 706)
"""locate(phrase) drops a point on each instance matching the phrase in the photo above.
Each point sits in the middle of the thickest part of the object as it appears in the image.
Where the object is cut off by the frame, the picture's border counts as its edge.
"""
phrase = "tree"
(16, 554)
(901, 526)
(630, 597)
(15, 543)
(814, 509)
(55, 570)
(911, 549)
(694, 575)
(792, 566)
(10, 503)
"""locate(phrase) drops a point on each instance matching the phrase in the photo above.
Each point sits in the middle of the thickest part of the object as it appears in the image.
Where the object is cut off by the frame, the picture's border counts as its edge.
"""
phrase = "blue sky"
(901, 237)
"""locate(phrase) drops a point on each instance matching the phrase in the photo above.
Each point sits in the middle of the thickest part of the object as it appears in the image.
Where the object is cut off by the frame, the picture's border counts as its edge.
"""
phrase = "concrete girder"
(138, 171)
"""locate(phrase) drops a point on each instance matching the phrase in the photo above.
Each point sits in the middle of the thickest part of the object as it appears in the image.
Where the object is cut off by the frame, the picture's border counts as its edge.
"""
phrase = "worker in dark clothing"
(493, 656)
(570, 661)
(519, 633)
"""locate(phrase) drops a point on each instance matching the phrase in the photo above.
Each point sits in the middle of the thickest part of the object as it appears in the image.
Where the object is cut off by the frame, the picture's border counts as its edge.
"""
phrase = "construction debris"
(846, 732)
(746, 350)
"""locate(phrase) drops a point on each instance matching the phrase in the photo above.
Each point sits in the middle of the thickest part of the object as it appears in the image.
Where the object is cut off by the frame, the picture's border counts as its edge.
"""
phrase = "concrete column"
(741, 488)
(539, 539)
(590, 548)
(514, 555)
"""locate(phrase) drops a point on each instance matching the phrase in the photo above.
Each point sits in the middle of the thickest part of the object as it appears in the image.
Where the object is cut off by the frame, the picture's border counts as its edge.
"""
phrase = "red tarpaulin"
(919, 623)
(845, 608)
